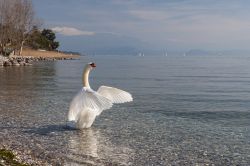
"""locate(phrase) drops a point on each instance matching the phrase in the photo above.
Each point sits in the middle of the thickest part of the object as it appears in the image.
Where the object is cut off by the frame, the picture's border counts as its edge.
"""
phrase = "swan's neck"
(85, 77)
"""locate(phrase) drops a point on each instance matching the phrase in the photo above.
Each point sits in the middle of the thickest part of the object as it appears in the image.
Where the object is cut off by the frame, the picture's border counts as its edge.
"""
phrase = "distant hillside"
(101, 44)
(199, 52)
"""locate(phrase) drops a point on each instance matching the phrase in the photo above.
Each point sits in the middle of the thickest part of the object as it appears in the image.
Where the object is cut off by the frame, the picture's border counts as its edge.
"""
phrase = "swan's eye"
(92, 65)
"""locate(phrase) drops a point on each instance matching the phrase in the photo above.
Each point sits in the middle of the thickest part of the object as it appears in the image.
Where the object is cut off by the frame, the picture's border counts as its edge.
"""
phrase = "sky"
(134, 25)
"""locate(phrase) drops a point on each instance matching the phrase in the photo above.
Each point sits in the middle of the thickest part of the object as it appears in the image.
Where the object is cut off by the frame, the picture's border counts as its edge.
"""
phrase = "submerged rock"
(22, 63)
(2, 60)
(15, 63)
(7, 157)
(7, 63)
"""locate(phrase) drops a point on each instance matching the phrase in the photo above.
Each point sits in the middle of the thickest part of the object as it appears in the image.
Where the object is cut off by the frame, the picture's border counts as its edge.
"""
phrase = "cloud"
(70, 31)
(149, 15)
(172, 23)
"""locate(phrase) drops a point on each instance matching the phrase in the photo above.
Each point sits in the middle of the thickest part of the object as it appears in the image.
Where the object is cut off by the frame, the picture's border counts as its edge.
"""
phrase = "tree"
(34, 39)
(16, 21)
(44, 39)
(50, 36)
(55, 45)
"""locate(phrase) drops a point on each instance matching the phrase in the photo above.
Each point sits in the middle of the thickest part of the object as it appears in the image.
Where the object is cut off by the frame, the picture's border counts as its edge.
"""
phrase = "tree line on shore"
(20, 28)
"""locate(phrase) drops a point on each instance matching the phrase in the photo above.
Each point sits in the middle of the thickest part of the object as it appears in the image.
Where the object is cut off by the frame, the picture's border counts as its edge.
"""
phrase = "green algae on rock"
(8, 158)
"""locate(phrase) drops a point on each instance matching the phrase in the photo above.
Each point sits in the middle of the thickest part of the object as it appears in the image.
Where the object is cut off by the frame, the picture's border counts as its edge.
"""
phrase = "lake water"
(186, 111)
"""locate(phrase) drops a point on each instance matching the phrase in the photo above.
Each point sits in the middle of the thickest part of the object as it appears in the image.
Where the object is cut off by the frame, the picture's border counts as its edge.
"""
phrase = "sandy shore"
(47, 54)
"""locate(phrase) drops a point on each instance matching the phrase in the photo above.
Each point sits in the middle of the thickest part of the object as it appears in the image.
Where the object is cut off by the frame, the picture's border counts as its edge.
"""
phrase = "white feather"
(87, 99)
(114, 94)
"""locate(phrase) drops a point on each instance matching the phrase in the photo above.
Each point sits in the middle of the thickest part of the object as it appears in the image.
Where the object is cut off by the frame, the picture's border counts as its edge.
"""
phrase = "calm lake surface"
(186, 111)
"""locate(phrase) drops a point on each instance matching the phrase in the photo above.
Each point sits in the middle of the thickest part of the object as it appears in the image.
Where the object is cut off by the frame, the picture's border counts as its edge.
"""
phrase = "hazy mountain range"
(101, 44)
(113, 44)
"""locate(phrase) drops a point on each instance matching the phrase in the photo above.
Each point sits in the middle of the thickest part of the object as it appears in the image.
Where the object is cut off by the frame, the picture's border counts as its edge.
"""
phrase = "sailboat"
(166, 53)
(141, 54)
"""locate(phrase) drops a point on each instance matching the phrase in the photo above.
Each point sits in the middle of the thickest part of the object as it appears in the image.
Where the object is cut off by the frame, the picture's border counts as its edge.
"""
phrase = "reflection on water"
(186, 111)
(85, 142)
(90, 146)
(24, 85)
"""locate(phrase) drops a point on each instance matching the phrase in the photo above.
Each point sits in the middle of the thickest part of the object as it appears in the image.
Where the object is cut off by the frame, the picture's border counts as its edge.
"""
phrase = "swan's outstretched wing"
(114, 94)
(88, 99)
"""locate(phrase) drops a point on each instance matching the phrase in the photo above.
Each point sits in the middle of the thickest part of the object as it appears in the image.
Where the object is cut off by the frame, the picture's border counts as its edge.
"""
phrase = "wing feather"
(87, 98)
(114, 94)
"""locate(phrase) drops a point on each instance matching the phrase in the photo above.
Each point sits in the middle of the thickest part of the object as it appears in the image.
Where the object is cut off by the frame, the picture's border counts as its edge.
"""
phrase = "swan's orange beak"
(92, 65)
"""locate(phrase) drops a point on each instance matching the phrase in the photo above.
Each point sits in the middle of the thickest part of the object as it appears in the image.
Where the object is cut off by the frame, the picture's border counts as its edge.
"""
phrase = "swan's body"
(88, 104)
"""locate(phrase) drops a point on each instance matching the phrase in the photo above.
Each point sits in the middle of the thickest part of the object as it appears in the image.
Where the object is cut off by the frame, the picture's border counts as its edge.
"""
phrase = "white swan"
(88, 104)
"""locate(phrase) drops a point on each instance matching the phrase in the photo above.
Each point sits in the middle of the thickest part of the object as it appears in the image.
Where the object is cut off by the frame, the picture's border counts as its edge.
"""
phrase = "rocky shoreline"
(18, 158)
(26, 60)
(27, 156)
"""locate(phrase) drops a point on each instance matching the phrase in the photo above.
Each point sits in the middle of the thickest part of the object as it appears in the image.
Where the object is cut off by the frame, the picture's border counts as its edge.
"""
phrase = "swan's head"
(91, 65)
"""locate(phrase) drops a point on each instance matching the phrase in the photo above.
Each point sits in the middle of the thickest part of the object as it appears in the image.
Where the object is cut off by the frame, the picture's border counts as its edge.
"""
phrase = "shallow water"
(186, 111)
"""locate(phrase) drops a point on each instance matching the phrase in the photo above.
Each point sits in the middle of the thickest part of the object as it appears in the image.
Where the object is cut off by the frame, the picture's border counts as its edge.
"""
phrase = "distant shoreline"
(29, 55)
